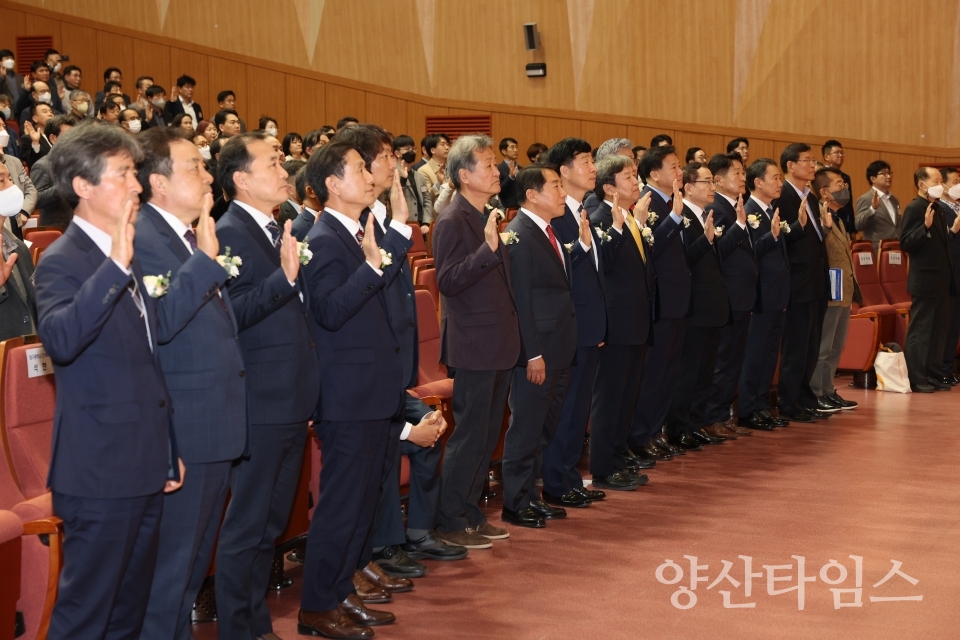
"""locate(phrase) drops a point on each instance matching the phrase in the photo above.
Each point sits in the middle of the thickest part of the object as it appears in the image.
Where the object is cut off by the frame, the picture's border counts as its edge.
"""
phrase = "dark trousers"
(799, 352)
(353, 458)
(391, 453)
(534, 414)
(953, 337)
(479, 402)
(109, 555)
(759, 362)
(262, 488)
(188, 533)
(660, 372)
(562, 454)
(615, 393)
(726, 374)
(689, 408)
(424, 495)
(926, 335)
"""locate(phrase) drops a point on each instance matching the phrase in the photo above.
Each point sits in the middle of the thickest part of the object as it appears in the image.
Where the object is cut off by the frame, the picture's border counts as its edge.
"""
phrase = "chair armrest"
(46, 526)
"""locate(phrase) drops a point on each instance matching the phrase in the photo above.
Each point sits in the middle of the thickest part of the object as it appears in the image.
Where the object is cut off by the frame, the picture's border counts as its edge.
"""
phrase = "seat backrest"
(893, 275)
(26, 419)
(428, 330)
(43, 239)
(419, 246)
(861, 245)
(428, 278)
(889, 244)
(865, 270)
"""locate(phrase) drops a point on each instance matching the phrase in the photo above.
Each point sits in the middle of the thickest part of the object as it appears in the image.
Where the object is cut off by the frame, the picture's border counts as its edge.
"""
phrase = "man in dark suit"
(479, 337)
(540, 274)
(114, 450)
(311, 207)
(272, 308)
(292, 206)
(361, 380)
(34, 143)
(562, 483)
(950, 206)
(629, 283)
(183, 102)
(709, 311)
(809, 288)
(202, 363)
(766, 323)
(154, 115)
(509, 168)
(739, 264)
(54, 210)
(18, 306)
(926, 239)
(660, 170)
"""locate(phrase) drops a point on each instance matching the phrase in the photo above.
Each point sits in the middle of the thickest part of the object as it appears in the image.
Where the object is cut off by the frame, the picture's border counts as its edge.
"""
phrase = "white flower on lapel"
(686, 222)
(510, 237)
(718, 231)
(569, 246)
(386, 259)
(647, 234)
(230, 263)
(157, 286)
(652, 217)
(304, 253)
(603, 235)
(784, 227)
(753, 220)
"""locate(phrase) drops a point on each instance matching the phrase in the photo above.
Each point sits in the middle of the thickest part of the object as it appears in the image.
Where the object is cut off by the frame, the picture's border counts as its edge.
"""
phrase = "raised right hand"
(617, 213)
(31, 131)
(641, 211)
(491, 233)
(586, 235)
(369, 245)
(122, 249)
(289, 256)
(875, 201)
(207, 229)
(6, 268)
(775, 224)
(802, 212)
(928, 216)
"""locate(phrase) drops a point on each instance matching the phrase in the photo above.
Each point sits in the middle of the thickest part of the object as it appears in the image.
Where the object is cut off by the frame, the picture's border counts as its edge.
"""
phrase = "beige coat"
(840, 257)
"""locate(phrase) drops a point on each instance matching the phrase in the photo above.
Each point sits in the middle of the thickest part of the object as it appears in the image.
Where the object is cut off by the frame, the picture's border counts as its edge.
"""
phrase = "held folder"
(836, 285)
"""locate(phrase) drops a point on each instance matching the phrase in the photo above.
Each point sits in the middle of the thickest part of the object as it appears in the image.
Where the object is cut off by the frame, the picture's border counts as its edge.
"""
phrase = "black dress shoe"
(433, 548)
(636, 464)
(396, 563)
(650, 451)
(821, 415)
(569, 499)
(525, 517)
(827, 405)
(954, 379)
(756, 421)
(593, 495)
(841, 402)
(706, 438)
(940, 384)
(662, 443)
(687, 442)
(922, 388)
(774, 420)
(547, 512)
(617, 481)
(638, 478)
(797, 415)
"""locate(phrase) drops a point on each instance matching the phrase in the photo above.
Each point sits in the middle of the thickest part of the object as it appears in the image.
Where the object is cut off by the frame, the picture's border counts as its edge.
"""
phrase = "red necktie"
(553, 241)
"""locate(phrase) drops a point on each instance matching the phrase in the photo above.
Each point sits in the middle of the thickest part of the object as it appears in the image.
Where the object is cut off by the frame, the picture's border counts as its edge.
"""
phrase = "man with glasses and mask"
(878, 211)
(833, 156)
(414, 185)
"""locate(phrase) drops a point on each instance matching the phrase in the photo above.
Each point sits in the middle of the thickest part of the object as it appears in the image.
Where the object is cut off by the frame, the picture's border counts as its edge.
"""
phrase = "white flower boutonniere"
(753, 220)
(510, 237)
(603, 235)
(686, 222)
(652, 217)
(303, 251)
(718, 231)
(157, 286)
(784, 227)
(386, 259)
(230, 263)
(647, 234)
(569, 246)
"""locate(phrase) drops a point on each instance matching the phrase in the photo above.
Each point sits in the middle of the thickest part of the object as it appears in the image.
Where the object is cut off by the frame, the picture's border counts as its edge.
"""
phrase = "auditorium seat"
(427, 280)
(862, 343)
(419, 264)
(862, 245)
(432, 379)
(892, 320)
(11, 529)
(512, 213)
(30, 230)
(502, 225)
(26, 419)
(893, 276)
(891, 243)
(40, 240)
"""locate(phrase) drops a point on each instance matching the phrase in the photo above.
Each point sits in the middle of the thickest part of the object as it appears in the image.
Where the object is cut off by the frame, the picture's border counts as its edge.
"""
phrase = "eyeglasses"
(810, 161)
(703, 182)
(885, 174)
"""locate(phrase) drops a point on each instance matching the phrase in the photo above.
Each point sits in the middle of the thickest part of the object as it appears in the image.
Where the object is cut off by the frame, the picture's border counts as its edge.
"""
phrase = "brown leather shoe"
(353, 608)
(369, 591)
(726, 431)
(380, 579)
(734, 427)
(717, 431)
(331, 624)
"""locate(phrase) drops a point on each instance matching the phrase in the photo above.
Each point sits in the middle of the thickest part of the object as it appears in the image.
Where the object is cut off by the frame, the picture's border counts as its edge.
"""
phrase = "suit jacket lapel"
(260, 237)
(544, 242)
(151, 214)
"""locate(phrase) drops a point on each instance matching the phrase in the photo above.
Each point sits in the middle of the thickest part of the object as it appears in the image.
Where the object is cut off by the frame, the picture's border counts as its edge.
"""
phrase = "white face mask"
(935, 191)
(122, 107)
(271, 131)
(11, 201)
(158, 103)
(56, 68)
(6, 113)
(954, 192)
(4, 138)
(205, 153)
(8, 64)
(134, 126)
(44, 97)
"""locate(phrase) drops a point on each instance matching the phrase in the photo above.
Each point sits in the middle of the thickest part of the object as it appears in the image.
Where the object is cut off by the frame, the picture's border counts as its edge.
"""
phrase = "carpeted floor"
(879, 482)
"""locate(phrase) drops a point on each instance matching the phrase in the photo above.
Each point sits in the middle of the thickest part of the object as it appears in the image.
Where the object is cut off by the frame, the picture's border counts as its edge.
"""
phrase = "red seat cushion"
(28, 414)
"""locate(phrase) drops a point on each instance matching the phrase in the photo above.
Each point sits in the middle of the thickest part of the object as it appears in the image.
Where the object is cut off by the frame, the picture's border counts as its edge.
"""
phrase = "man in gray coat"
(878, 211)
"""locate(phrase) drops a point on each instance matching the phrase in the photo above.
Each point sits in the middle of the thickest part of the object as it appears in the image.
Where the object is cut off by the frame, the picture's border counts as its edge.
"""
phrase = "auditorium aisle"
(879, 482)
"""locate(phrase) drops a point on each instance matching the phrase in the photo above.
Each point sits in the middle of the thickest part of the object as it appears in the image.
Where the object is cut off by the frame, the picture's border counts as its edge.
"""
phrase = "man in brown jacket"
(830, 187)
(479, 337)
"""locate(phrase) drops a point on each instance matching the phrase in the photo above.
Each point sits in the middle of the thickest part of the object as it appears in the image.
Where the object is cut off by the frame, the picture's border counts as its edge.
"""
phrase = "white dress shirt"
(575, 206)
(190, 111)
(697, 212)
(262, 221)
(178, 227)
(380, 213)
(295, 205)
(804, 194)
(765, 206)
(733, 203)
(885, 199)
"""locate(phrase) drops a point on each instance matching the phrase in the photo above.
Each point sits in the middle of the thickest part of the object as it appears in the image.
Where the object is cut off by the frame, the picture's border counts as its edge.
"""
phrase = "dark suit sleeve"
(522, 271)
(610, 249)
(397, 246)
(505, 179)
(337, 292)
(913, 234)
(458, 269)
(47, 193)
(796, 232)
(667, 231)
(414, 409)
(730, 240)
(697, 249)
(71, 313)
(766, 243)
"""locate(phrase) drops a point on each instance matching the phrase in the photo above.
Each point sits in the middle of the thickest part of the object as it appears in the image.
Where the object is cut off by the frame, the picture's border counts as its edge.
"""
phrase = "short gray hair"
(607, 170)
(612, 147)
(83, 151)
(462, 156)
(78, 94)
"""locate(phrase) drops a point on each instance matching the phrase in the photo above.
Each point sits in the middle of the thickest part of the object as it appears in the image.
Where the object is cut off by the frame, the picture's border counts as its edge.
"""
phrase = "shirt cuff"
(585, 247)
(872, 210)
(403, 229)
(378, 271)
(36, 147)
(406, 431)
(742, 225)
(676, 218)
(125, 270)
(613, 228)
(537, 358)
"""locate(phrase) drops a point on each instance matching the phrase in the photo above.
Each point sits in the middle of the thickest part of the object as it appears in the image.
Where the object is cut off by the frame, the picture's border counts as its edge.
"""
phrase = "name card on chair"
(865, 258)
(38, 363)
(894, 257)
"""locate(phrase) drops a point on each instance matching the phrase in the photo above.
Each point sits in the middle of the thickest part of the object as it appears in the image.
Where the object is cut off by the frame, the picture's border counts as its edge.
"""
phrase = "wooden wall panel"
(305, 105)
(267, 91)
(12, 24)
(386, 111)
(194, 65)
(35, 25)
(80, 43)
(511, 125)
(642, 135)
(224, 74)
(683, 140)
(417, 113)
(113, 51)
(344, 101)
(152, 59)
(759, 148)
(552, 130)
(597, 132)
